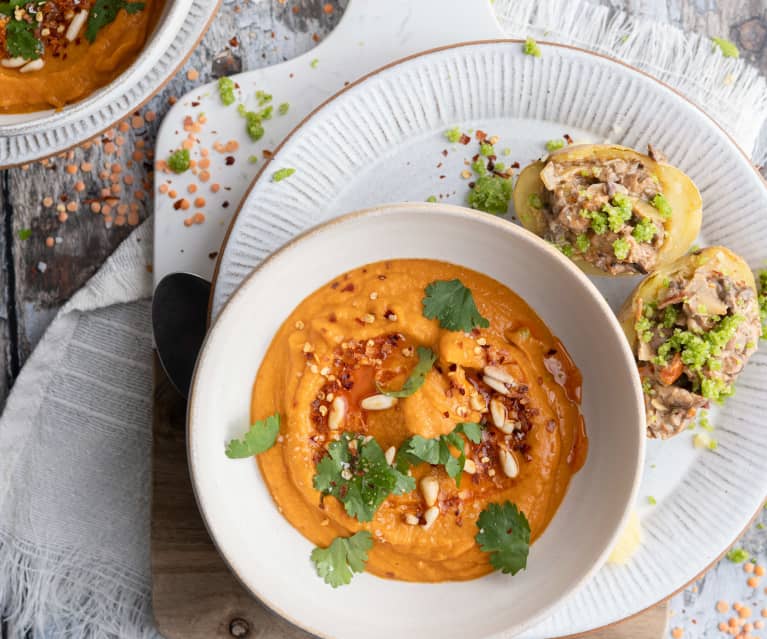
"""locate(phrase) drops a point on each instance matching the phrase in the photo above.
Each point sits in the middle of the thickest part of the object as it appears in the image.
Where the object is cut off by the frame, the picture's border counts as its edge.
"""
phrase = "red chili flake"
(195, 104)
(332, 318)
(225, 205)
(234, 42)
(464, 139)
(442, 177)
(349, 288)
(267, 153)
(515, 165)
(213, 255)
(229, 160)
(481, 135)
(567, 137)
(334, 285)
(444, 152)
(315, 37)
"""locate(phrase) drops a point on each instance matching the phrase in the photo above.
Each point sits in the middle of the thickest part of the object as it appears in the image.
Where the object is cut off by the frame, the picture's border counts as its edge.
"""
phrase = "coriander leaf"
(105, 12)
(472, 430)
(356, 473)
(423, 449)
(426, 359)
(21, 41)
(504, 532)
(259, 438)
(453, 305)
(179, 161)
(728, 49)
(7, 8)
(337, 563)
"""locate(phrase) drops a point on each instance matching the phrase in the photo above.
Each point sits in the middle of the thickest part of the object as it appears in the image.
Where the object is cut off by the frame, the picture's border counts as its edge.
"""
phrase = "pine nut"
(508, 427)
(13, 63)
(495, 385)
(430, 490)
(390, 453)
(496, 372)
(430, 516)
(337, 413)
(378, 402)
(77, 23)
(508, 463)
(411, 520)
(35, 65)
(469, 466)
(498, 412)
(477, 402)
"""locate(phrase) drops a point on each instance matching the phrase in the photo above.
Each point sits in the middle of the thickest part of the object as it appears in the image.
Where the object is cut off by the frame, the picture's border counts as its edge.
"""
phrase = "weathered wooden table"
(51, 246)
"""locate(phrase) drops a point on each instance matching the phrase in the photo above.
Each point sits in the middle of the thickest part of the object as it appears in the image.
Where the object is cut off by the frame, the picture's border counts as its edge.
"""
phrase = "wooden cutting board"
(193, 593)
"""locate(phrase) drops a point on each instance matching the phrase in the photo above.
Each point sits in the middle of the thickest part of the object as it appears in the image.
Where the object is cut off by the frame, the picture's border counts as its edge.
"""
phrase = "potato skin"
(680, 191)
(648, 290)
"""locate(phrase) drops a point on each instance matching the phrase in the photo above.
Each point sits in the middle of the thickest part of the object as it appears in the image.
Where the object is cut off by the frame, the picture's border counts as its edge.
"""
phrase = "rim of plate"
(359, 81)
(96, 105)
(448, 210)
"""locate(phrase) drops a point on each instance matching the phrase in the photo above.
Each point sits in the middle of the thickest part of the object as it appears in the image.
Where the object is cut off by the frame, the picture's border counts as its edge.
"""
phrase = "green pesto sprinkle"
(762, 300)
(582, 243)
(283, 108)
(661, 203)
(531, 48)
(506, 151)
(431, 198)
(713, 444)
(266, 113)
(253, 159)
(728, 49)
(598, 221)
(695, 248)
(499, 167)
(666, 282)
(491, 194)
(702, 309)
(178, 162)
(535, 201)
(618, 213)
(738, 556)
(281, 174)
(553, 145)
(479, 167)
(760, 526)
(226, 90)
(24, 234)
(651, 500)
(262, 97)
(585, 172)
(647, 386)
(645, 230)
(486, 149)
(253, 125)
(621, 248)
(453, 135)
(313, 64)
(566, 248)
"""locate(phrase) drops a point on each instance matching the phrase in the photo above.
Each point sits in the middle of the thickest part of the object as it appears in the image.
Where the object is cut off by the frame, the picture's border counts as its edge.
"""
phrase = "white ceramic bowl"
(272, 559)
(26, 137)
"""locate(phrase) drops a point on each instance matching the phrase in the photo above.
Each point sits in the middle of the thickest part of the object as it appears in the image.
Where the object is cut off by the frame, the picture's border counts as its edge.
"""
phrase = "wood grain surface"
(35, 279)
(194, 596)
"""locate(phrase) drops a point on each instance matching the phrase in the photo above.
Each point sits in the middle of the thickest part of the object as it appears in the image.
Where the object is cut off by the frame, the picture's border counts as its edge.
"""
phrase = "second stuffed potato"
(611, 209)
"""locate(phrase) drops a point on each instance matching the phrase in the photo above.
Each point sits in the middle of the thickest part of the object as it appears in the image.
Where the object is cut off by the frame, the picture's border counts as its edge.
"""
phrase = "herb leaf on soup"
(356, 473)
(450, 302)
(105, 12)
(337, 563)
(426, 359)
(259, 438)
(21, 41)
(504, 533)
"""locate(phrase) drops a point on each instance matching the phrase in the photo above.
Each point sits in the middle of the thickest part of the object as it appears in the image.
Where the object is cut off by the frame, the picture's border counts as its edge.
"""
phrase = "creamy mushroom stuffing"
(692, 343)
(610, 213)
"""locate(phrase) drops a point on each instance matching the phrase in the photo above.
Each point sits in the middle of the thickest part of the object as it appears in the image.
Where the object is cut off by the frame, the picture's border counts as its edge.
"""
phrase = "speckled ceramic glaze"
(381, 140)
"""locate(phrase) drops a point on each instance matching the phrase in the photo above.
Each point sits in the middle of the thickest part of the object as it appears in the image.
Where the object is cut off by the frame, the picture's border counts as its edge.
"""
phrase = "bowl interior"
(272, 559)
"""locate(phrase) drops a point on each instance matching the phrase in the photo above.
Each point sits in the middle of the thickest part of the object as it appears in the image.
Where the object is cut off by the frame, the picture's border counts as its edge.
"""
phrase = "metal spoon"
(179, 322)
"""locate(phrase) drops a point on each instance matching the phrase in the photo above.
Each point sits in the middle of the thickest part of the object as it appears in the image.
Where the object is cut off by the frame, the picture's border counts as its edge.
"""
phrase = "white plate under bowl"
(380, 140)
(26, 137)
(272, 559)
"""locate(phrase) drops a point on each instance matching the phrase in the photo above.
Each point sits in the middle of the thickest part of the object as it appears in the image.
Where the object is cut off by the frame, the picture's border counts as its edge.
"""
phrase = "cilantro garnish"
(738, 555)
(226, 90)
(491, 193)
(337, 563)
(356, 473)
(531, 48)
(426, 359)
(728, 49)
(453, 305)
(104, 12)
(21, 41)
(504, 532)
(417, 449)
(259, 438)
(179, 160)
(7, 8)
(281, 174)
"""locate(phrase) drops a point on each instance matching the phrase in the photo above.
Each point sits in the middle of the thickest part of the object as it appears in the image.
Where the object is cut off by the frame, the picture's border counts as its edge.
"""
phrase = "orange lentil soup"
(359, 333)
(55, 52)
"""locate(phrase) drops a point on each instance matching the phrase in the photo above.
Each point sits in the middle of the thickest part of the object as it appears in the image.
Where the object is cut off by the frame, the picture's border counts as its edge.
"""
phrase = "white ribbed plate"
(31, 136)
(381, 139)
